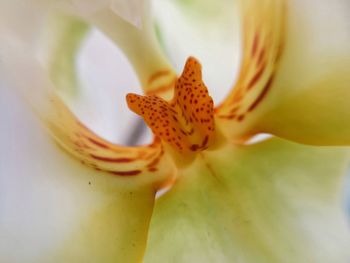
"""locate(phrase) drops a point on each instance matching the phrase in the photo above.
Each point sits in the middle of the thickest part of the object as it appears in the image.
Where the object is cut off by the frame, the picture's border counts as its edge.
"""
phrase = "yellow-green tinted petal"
(263, 38)
(309, 100)
(86, 69)
(294, 77)
(59, 47)
(274, 201)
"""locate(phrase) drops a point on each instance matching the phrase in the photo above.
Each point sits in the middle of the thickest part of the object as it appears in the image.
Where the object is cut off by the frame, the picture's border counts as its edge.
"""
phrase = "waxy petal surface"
(53, 209)
(105, 210)
(142, 49)
(268, 202)
(309, 100)
(263, 40)
(70, 133)
(274, 201)
(294, 77)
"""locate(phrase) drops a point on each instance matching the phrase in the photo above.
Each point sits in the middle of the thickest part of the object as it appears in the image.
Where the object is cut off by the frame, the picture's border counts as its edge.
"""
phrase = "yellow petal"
(263, 41)
(300, 90)
(309, 102)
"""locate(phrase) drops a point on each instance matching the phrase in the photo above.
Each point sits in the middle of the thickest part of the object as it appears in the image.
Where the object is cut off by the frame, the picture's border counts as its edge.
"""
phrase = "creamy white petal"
(49, 200)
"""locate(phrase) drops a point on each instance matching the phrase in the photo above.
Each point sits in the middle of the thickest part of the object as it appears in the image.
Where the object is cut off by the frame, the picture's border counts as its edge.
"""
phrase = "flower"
(230, 201)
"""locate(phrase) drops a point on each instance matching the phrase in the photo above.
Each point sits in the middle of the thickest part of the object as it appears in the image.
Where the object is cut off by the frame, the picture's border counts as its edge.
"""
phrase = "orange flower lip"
(187, 121)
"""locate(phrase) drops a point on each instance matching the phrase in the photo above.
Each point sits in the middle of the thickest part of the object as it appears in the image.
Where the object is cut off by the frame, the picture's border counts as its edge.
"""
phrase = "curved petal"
(82, 64)
(70, 133)
(273, 201)
(105, 214)
(309, 102)
(263, 39)
(115, 18)
(304, 95)
(53, 209)
(131, 11)
(130, 26)
(57, 40)
(58, 50)
(141, 47)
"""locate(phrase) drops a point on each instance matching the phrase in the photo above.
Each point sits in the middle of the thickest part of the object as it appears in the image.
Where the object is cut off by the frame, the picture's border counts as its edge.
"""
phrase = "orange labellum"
(187, 121)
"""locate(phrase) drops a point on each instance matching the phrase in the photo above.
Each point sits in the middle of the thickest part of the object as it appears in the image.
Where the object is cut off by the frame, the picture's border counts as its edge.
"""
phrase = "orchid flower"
(227, 199)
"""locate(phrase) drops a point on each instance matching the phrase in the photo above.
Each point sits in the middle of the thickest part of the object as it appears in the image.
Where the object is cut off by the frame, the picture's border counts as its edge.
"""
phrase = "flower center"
(187, 121)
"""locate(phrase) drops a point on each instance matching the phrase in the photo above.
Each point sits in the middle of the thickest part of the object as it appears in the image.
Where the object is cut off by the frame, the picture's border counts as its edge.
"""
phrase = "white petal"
(130, 10)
